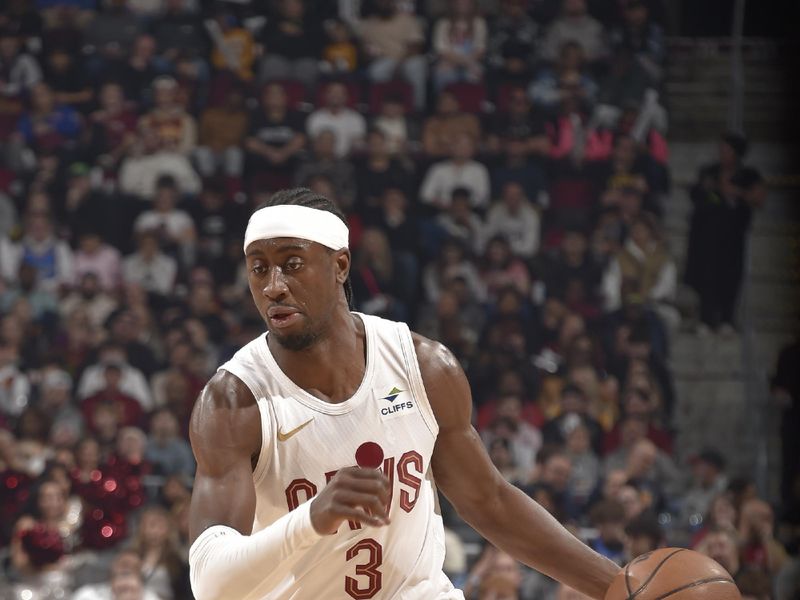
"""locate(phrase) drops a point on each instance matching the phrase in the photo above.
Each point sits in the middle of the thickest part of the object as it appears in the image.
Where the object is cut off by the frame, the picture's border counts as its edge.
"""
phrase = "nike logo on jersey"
(282, 437)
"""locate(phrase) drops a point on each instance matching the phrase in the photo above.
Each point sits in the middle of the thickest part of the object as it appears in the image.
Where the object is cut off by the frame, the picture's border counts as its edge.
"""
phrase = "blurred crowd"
(503, 166)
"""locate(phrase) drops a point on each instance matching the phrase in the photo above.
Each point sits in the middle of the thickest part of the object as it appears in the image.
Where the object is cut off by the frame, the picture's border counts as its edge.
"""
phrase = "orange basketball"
(673, 574)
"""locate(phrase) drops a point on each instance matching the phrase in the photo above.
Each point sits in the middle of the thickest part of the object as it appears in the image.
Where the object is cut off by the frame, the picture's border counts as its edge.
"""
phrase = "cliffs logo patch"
(391, 407)
(392, 396)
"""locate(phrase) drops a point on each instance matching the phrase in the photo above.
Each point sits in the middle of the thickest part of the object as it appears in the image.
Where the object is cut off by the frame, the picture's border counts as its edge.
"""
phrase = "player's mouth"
(282, 316)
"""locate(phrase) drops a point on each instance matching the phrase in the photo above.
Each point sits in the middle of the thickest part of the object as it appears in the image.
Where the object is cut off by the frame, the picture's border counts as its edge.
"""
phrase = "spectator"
(546, 90)
(512, 31)
(495, 575)
(721, 514)
(461, 170)
(708, 482)
(42, 303)
(573, 403)
(376, 172)
(234, 47)
(52, 258)
(393, 42)
(276, 136)
(36, 560)
(576, 25)
(401, 132)
(291, 45)
(643, 268)
(451, 263)
(340, 54)
(642, 535)
(520, 122)
(347, 125)
(132, 382)
(586, 466)
(460, 223)
(125, 581)
(96, 257)
(608, 517)
(168, 123)
(502, 270)
(326, 162)
(20, 71)
(113, 126)
(724, 197)
(441, 128)
(642, 35)
(524, 440)
(515, 218)
(65, 74)
(759, 548)
(554, 471)
(222, 130)
(48, 126)
(179, 34)
(111, 36)
(89, 296)
(174, 226)
(459, 42)
(166, 450)
(139, 69)
(149, 267)
(156, 543)
(722, 545)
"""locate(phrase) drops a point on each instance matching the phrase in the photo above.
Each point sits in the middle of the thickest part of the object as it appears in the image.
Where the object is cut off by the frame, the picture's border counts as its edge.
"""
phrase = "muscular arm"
(502, 513)
(225, 560)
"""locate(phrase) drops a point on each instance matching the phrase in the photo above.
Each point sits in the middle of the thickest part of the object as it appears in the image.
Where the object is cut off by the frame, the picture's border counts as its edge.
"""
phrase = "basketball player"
(279, 510)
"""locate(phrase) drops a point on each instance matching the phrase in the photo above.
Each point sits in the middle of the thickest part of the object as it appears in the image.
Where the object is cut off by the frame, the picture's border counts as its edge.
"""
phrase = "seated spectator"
(148, 267)
(553, 471)
(723, 546)
(110, 37)
(276, 136)
(626, 168)
(459, 43)
(460, 170)
(347, 125)
(512, 32)
(168, 123)
(179, 34)
(721, 514)
(515, 218)
(340, 54)
(163, 567)
(66, 76)
(628, 85)
(608, 518)
(642, 534)
(495, 575)
(639, 33)
(502, 269)
(131, 380)
(48, 126)
(147, 163)
(174, 226)
(169, 453)
(401, 132)
(546, 90)
(136, 70)
(20, 71)
(452, 262)
(36, 563)
(128, 327)
(291, 43)
(575, 25)
(639, 402)
(586, 466)
(376, 172)
(90, 297)
(573, 403)
(523, 439)
(393, 42)
(233, 45)
(128, 410)
(519, 122)
(758, 547)
(125, 581)
(460, 223)
(113, 126)
(382, 282)
(708, 482)
(442, 127)
(51, 509)
(51, 257)
(325, 162)
(643, 267)
(99, 258)
(395, 218)
(218, 222)
(222, 130)
(42, 303)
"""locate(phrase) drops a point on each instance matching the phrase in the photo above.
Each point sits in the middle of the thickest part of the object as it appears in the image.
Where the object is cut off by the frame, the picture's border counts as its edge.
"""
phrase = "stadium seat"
(379, 91)
(354, 93)
(471, 96)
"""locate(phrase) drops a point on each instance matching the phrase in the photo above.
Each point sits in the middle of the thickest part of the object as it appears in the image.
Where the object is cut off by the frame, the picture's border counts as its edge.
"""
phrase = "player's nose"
(275, 287)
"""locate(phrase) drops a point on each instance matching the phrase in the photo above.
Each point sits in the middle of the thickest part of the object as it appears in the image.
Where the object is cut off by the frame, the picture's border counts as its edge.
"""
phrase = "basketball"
(673, 573)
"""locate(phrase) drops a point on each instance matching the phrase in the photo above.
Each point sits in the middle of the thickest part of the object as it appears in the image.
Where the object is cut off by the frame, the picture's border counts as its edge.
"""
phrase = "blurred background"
(593, 203)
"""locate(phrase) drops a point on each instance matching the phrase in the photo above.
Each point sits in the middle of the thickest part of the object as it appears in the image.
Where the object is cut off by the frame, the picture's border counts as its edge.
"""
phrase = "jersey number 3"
(359, 588)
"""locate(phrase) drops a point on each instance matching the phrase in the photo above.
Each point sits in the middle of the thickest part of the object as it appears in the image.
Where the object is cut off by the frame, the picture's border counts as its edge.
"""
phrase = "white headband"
(290, 220)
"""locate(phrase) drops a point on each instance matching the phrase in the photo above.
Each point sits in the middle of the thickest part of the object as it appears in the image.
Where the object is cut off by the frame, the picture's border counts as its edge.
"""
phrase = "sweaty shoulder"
(225, 419)
(445, 384)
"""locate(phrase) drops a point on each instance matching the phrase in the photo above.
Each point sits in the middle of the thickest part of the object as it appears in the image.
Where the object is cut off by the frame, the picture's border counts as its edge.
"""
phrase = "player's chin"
(294, 340)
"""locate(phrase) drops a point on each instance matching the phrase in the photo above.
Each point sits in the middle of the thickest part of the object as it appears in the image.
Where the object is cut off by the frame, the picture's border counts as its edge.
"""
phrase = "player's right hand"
(354, 494)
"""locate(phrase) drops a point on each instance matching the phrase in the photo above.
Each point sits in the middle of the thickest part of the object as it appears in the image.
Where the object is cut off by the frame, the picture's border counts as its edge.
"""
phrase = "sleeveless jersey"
(305, 441)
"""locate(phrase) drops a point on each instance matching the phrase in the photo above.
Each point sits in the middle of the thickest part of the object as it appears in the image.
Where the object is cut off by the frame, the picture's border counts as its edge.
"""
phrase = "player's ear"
(342, 260)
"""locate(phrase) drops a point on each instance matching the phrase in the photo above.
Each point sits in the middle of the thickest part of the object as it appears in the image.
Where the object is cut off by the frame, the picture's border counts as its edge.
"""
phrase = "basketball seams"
(652, 574)
(696, 583)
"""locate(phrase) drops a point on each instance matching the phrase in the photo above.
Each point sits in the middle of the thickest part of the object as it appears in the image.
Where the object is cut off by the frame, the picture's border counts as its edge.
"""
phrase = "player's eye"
(257, 269)
(293, 264)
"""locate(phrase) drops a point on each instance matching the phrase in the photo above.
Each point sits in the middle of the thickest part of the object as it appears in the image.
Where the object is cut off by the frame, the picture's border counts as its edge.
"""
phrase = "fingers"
(374, 505)
(354, 513)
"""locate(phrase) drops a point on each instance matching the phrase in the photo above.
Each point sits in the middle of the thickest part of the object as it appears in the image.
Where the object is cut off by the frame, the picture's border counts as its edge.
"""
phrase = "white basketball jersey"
(306, 440)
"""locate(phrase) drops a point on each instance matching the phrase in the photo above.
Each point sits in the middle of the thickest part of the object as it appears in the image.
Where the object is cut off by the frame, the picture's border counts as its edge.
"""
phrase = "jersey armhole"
(265, 452)
(415, 378)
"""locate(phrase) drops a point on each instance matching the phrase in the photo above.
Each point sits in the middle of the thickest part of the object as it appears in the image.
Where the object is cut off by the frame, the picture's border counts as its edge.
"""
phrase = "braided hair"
(305, 197)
